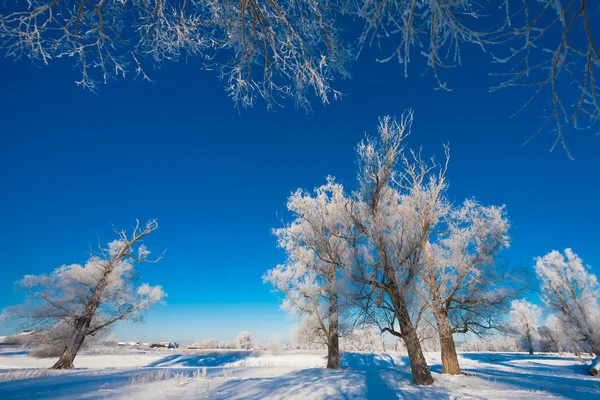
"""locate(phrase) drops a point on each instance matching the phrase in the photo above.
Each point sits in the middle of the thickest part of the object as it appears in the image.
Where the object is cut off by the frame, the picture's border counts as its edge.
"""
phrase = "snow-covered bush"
(206, 344)
(496, 344)
(228, 344)
(365, 338)
(275, 346)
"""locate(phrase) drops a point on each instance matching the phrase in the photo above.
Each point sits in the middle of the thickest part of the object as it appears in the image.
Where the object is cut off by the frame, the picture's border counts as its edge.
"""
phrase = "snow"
(292, 375)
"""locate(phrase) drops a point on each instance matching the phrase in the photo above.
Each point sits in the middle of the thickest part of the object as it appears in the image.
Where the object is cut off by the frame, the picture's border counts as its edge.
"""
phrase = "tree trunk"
(529, 341)
(596, 350)
(556, 344)
(450, 363)
(418, 365)
(82, 324)
(68, 356)
(333, 347)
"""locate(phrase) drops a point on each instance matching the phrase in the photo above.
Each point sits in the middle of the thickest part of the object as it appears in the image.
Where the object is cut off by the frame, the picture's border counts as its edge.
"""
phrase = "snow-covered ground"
(246, 375)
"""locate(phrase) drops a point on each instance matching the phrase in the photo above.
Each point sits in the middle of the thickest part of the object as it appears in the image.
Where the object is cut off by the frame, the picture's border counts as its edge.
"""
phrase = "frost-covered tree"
(365, 338)
(318, 249)
(524, 318)
(549, 339)
(244, 340)
(392, 210)
(554, 332)
(467, 291)
(306, 335)
(495, 343)
(572, 292)
(85, 299)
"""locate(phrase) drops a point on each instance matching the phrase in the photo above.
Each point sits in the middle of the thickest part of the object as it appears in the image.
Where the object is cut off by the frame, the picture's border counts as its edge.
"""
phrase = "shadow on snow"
(536, 372)
(200, 360)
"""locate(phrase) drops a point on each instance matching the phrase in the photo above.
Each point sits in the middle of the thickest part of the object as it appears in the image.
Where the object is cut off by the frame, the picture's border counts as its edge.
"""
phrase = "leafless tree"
(87, 299)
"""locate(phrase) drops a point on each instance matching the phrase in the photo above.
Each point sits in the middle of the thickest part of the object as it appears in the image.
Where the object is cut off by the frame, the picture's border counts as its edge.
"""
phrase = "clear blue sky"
(73, 164)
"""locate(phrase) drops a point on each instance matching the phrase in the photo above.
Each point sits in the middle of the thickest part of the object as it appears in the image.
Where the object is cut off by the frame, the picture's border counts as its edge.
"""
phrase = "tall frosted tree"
(467, 290)
(85, 299)
(392, 210)
(572, 292)
(317, 243)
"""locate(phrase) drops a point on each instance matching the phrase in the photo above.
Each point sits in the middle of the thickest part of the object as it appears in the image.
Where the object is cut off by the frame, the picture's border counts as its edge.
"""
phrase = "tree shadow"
(364, 376)
(200, 360)
(367, 361)
(536, 373)
(14, 353)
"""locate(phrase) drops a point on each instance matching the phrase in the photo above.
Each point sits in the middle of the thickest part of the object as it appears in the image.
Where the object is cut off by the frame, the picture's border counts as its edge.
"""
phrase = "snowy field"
(247, 375)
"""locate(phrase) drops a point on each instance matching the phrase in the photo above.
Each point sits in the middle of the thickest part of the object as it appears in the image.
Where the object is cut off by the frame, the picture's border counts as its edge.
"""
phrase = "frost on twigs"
(277, 50)
(552, 48)
(261, 49)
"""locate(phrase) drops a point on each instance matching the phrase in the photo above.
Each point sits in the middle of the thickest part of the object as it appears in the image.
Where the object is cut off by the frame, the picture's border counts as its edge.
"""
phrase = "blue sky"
(73, 164)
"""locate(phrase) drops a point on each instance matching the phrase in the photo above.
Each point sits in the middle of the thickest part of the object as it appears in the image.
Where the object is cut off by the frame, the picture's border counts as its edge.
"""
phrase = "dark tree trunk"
(333, 351)
(70, 352)
(80, 331)
(450, 363)
(529, 341)
(333, 347)
(556, 344)
(418, 365)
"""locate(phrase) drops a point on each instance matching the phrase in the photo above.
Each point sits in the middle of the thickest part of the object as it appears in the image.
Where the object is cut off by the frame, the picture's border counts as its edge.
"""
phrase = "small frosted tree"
(85, 299)
(549, 338)
(524, 318)
(244, 340)
(364, 338)
(274, 345)
(572, 292)
(318, 250)
(306, 334)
